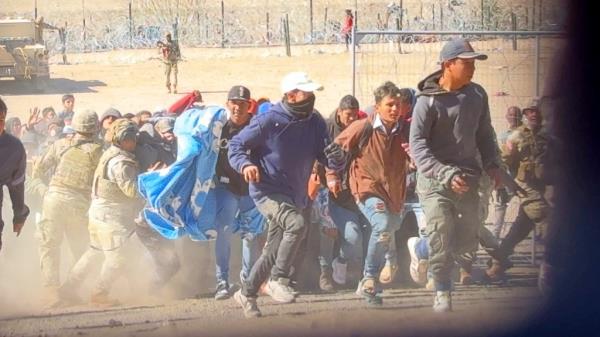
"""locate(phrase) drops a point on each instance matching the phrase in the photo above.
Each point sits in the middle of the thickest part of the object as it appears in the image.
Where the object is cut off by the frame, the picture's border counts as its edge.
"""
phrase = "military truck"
(23, 55)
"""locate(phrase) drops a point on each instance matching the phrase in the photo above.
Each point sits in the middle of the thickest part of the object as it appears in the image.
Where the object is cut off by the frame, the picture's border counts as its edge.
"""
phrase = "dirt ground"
(133, 80)
(405, 312)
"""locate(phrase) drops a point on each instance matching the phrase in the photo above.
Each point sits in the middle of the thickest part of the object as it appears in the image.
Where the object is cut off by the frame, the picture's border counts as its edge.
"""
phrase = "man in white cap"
(275, 154)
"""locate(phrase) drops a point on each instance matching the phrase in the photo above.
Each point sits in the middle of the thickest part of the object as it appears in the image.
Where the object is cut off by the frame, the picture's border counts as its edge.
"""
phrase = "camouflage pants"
(61, 216)
(486, 239)
(171, 67)
(453, 224)
(108, 240)
(533, 213)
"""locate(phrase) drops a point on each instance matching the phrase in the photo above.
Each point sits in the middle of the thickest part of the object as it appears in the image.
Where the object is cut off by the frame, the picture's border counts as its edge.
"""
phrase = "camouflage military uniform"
(525, 151)
(114, 206)
(170, 52)
(65, 204)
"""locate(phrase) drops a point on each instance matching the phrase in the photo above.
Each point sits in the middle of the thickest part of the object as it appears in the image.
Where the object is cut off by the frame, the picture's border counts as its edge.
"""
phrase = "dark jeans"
(286, 231)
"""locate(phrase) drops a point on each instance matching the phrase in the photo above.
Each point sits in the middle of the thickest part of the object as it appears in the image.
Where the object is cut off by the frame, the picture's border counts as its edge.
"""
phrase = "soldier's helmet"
(85, 122)
(122, 129)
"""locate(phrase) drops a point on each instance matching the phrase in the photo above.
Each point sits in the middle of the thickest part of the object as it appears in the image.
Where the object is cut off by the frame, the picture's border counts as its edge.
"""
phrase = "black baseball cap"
(239, 93)
(459, 48)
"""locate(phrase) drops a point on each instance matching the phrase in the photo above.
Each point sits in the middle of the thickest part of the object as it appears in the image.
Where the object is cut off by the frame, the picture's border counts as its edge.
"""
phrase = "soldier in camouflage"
(170, 53)
(525, 149)
(71, 163)
(115, 203)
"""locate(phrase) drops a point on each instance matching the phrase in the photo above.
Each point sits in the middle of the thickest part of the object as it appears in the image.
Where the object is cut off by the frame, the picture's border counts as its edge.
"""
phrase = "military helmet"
(122, 129)
(85, 122)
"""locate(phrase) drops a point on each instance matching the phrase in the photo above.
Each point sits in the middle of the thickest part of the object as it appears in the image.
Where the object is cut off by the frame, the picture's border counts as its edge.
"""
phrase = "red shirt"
(348, 22)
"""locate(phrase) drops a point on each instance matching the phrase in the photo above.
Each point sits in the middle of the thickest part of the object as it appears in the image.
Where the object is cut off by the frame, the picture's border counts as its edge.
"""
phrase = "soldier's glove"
(335, 153)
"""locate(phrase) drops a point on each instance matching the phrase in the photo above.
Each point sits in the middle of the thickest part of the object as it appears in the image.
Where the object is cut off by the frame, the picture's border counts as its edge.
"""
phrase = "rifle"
(511, 184)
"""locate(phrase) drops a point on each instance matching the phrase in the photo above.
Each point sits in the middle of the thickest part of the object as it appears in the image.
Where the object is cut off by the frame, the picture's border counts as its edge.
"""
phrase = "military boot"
(68, 296)
(100, 298)
(50, 297)
(169, 88)
(174, 89)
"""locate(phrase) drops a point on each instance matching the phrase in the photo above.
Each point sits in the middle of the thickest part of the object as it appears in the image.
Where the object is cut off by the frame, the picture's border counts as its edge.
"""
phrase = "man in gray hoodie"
(451, 124)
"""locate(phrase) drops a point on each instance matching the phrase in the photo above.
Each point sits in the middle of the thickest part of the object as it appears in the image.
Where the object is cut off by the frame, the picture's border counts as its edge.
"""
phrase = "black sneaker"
(222, 292)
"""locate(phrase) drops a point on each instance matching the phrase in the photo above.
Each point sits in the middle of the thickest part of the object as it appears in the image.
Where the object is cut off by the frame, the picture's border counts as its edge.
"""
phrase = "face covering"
(301, 109)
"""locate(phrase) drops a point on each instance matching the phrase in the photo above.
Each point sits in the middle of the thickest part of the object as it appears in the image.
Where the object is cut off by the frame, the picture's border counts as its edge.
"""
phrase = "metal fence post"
(222, 24)
(286, 27)
(533, 15)
(268, 35)
(441, 17)
(513, 19)
(354, 53)
(482, 16)
(311, 21)
(433, 15)
(399, 36)
(130, 27)
(537, 65)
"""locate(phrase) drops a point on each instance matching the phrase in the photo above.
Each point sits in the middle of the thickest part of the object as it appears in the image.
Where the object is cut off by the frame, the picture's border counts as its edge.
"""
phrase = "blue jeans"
(383, 223)
(350, 227)
(415, 207)
(228, 205)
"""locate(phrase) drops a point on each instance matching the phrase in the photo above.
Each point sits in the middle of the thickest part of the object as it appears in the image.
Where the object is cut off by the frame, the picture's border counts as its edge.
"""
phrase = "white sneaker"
(418, 268)
(442, 301)
(248, 304)
(339, 271)
(280, 290)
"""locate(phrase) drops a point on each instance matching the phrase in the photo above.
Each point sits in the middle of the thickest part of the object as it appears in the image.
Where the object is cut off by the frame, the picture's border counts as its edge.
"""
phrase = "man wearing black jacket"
(345, 214)
(12, 174)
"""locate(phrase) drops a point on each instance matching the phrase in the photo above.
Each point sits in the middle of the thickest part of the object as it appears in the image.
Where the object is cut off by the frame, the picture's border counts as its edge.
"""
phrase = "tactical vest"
(76, 165)
(105, 188)
(532, 149)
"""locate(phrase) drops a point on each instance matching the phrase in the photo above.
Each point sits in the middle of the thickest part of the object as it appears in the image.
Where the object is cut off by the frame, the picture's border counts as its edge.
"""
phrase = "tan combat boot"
(169, 88)
(174, 89)
(50, 297)
(100, 298)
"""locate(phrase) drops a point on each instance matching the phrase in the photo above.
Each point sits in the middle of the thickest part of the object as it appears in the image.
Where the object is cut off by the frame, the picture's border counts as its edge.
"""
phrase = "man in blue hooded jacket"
(275, 153)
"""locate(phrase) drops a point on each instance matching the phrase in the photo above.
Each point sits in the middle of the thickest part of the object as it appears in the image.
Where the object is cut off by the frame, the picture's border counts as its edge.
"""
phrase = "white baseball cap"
(299, 80)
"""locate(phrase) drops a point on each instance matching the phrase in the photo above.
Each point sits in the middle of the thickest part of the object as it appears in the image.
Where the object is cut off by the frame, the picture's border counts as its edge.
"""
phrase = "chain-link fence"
(513, 74)
(229, 23)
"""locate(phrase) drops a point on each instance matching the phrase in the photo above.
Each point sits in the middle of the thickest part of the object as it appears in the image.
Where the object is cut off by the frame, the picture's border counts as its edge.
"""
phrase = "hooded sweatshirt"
(284, 147)
(12, 174)
(449, 128)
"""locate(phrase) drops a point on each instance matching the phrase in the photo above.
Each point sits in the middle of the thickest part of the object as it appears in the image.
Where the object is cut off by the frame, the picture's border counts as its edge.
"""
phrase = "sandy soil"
(134, 80)
(405, 312)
